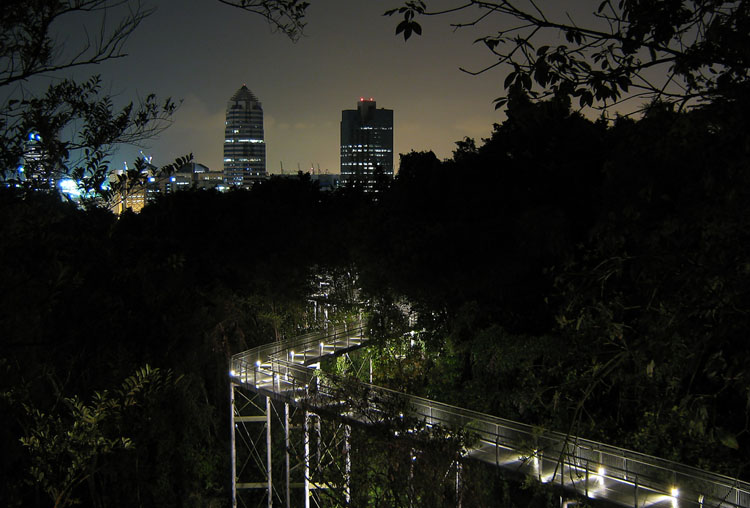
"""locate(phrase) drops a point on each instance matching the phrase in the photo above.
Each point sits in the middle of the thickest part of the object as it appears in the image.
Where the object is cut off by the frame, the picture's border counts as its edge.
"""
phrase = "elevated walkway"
(287, 371)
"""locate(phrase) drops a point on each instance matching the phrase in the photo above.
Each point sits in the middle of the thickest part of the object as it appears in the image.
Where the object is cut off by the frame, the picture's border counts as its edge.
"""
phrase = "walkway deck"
(288, 371)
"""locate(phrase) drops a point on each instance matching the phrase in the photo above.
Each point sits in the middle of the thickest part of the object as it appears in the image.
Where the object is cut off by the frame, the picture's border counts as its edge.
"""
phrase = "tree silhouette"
(286, 16)
(69, 130)
(65, 447)
(677, 51)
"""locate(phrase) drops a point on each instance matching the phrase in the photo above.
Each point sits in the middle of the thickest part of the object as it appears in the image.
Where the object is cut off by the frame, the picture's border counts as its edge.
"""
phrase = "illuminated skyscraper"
(244, 144)
(366, 144)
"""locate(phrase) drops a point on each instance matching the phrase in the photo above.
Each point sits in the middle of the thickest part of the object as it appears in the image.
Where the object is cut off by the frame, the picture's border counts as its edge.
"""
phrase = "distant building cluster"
(366, 156)
(190, 176)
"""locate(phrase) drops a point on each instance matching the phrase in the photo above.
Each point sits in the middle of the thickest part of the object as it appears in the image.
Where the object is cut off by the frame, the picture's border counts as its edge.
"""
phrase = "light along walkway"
(287, 371)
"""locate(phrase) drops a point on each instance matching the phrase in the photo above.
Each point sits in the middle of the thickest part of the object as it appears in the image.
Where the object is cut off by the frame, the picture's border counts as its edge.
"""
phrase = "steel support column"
(347, 464)
(233, 450)
(306, 468)
(459, 493)
(318, 439)
(268, 451)
(286, 453)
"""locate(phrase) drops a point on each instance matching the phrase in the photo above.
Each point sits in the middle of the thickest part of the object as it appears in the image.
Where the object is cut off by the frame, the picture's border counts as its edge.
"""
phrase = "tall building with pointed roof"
(244, 143)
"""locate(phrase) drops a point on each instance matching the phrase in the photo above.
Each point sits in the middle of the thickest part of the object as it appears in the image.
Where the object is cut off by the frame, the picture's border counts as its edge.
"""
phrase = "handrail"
(282, 370)
(301, 343)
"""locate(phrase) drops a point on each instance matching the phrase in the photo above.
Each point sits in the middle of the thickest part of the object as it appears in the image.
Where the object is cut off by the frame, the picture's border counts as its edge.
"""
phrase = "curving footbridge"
(288, 372)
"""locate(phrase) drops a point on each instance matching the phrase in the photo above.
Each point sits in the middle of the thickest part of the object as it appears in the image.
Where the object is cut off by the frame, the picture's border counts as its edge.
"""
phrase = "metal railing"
(282, 370)
(310, 346)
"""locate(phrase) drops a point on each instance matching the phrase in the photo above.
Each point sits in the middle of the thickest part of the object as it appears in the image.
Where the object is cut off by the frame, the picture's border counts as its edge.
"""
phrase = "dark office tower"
(244, 144)
(366, 144)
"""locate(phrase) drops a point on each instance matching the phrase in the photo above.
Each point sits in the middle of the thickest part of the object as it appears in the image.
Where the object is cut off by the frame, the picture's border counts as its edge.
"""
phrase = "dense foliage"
(564, 273)
(585, 278)
(88, 299)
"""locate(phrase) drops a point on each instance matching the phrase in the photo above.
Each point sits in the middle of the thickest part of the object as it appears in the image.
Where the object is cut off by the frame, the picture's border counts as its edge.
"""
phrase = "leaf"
(509, 79)
(500, 102)
(542, 50)
(587, 99)
(408, 27)
(727, 438)
(526, 81)
(541, 73)
(623, 82)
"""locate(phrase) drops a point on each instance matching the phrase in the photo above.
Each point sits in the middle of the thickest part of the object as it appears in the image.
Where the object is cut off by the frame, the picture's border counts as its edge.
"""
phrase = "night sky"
(201, 52)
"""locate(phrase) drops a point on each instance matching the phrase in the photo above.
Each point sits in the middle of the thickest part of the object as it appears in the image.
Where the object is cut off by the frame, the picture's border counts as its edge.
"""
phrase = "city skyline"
(203, 52)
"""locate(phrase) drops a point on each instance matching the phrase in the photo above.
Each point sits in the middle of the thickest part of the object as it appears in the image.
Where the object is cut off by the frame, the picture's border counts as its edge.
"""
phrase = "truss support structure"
(308, 445)
(247, 415)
